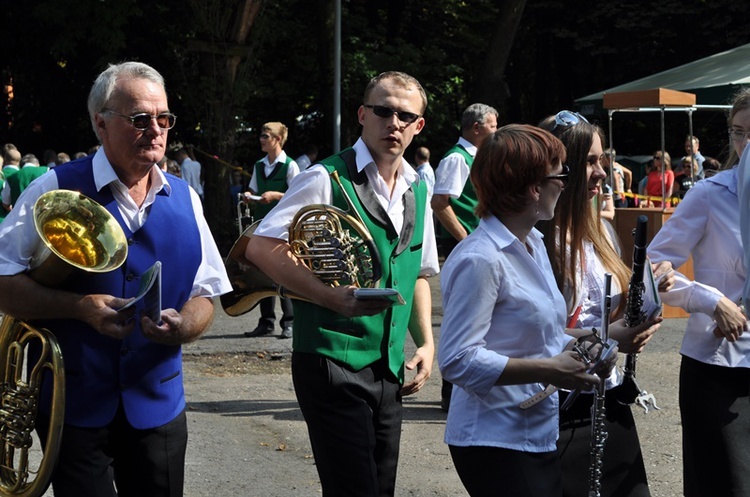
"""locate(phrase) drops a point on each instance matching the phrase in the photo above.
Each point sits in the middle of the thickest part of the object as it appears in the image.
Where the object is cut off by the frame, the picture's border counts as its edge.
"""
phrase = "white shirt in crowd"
(453, 171)
(291, 171)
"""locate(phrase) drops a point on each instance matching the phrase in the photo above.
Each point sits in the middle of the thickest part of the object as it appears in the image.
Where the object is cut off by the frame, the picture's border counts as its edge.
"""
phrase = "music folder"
(387, 294)
(148, 298)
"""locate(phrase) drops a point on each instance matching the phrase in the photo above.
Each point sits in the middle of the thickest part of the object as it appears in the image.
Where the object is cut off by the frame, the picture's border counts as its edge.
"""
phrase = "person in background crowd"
(622, 176)
(683, 179)
(454, 198)
(348, 353)
(16, 183)
(308, 158)
(190, 170)
(424, 169)
(272, 176)
(710, 225)
(61, 158)
(692, 152)
(500, 277)
(656, 179)
(125, 431)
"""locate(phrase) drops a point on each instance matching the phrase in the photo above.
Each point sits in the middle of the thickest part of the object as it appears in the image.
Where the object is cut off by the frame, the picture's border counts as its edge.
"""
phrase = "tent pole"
(663, 164)
(692, 152)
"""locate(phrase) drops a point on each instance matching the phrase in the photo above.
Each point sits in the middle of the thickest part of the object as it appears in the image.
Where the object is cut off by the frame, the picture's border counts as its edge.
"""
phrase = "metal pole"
(663, 162)
(337, 78)
(611, 157)
(692, 152)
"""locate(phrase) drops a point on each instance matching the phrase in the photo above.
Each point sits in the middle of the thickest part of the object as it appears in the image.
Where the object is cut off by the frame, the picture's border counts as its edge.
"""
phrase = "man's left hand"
(169, 332)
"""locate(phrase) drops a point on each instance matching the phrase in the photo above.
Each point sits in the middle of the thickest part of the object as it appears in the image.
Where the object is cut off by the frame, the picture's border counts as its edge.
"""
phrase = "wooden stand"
(624, 223)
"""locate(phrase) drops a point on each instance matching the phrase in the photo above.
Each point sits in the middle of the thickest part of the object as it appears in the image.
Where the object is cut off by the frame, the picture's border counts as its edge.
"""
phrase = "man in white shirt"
(308, 158)
(424, 169)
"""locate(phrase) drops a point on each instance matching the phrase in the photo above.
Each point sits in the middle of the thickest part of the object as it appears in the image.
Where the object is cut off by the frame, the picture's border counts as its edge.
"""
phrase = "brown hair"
(576, 219)
(740, 101)
(510, 160)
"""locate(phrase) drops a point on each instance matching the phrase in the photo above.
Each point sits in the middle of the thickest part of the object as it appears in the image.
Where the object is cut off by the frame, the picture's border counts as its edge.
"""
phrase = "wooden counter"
(624, 223)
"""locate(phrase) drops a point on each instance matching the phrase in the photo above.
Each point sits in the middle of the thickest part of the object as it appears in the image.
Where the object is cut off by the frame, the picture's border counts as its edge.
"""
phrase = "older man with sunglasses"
(348, 353)
(125, 424)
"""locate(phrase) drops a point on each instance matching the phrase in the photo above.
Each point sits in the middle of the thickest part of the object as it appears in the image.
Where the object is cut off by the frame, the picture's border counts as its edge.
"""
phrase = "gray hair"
(476, 113)
(104, 86)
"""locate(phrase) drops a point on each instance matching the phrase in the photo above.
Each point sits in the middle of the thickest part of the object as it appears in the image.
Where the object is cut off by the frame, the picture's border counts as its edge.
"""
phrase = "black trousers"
(494, 471)
(268, 312)
(354, 423)
(93, 461)
(715, 412)
(623, 471)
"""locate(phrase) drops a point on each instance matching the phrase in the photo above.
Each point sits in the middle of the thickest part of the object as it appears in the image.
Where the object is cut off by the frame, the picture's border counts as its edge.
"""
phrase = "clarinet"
(634, 315)
(598, 410)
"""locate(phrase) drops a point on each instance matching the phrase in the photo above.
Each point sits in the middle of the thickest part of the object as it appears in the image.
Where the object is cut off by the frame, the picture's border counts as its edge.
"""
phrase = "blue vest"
(100, 371)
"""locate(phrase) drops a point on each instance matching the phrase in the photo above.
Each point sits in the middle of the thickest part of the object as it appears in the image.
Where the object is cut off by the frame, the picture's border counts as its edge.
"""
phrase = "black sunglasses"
(383, 111)
(142, 121)
(563, 177)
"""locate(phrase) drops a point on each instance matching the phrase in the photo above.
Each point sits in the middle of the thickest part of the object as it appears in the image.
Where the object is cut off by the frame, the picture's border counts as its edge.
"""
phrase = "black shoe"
(259, 331)
(286, 332)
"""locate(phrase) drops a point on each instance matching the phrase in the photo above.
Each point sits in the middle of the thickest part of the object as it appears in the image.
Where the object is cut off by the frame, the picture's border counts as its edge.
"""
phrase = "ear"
(101, 123)
(419, 125)
(361, 114)
(535, 192)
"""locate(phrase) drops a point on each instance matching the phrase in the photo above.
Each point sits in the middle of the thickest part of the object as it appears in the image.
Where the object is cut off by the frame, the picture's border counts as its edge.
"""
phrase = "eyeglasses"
(737, 135)
(567, 118)
(563, 177)
(386, 112)
(265, 136)
(657, 157)
(142, 121)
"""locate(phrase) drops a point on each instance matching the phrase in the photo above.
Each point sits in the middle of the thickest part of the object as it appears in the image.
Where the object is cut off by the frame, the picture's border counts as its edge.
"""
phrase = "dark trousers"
(93, 461)
(268, 312)
(495, 471)
(354, 423)
(715, 412)
(623, 471)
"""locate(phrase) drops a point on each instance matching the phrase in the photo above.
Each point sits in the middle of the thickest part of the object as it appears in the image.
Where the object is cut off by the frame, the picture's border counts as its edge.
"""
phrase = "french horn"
(334, 244)
(76, 232)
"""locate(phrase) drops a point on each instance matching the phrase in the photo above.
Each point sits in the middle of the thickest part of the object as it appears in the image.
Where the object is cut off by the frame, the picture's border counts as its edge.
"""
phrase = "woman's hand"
(664, 275)
(731, 321)
(633, 340)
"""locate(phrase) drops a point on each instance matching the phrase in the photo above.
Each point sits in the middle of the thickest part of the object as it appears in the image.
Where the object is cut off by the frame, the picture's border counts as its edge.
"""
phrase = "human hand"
(731, 321)
(168, 332)
(341, 300)
(570, 372)
(422, 360)
(664, 275)
(268, 197)
(100, 312)
(633, 340)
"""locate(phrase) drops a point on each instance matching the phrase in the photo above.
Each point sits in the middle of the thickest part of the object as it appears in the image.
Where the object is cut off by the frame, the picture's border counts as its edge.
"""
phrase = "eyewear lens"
(567, 118)
(562, 177)
(737, 135)
(386, 112)
(265, 136)
(142, 121)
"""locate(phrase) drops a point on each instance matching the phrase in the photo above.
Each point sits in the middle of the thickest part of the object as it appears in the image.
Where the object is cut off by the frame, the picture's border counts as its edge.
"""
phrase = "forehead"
(395, 95)
(139, 94)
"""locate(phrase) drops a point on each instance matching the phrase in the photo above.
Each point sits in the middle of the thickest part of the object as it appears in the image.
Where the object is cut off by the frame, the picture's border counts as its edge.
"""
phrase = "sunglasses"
(657, 157)
(563, 177)
(142, 121)
(387, 112)
(567, 118)
(265, 136)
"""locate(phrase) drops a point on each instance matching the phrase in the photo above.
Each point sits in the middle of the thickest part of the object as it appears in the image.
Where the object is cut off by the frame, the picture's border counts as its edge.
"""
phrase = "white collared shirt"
(16, 251)
(706, 226)
(291, 171)
(453, 171)
(313, 186)
(500, 301)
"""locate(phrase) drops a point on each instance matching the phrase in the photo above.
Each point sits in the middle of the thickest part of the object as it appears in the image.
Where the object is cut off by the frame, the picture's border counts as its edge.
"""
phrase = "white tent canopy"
(713, 79)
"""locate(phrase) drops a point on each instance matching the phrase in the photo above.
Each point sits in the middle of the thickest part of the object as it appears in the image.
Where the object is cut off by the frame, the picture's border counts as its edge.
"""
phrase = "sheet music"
(149, 293)
(652, 305)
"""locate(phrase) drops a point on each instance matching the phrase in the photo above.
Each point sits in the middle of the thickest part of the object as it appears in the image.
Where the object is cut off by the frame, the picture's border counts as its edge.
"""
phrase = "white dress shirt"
(706, 225)
(500, 301)
(453, 171)
(427, 175)
(16, 251)
(291, 171)
(313, 186)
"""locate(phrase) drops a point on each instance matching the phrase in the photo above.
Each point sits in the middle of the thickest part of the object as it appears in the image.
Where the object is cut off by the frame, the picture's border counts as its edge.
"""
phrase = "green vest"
(464, 205)
(275, 182)
(361, 341)
(19, 181)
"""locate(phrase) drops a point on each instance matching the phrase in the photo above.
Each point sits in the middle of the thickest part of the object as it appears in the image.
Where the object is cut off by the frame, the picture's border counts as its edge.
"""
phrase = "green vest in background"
(361, 341)
(464, 205)
(275, 182)
(19, 181)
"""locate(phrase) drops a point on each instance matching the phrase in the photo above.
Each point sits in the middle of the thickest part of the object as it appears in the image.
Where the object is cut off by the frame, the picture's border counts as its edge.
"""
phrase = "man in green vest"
(271, 178)
(16, 183)
(11, 165)
(453, 198)
(348, 352)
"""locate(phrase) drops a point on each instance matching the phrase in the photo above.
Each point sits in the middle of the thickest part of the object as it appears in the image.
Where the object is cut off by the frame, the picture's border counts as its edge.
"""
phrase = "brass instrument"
(334, 244)
(79, 233)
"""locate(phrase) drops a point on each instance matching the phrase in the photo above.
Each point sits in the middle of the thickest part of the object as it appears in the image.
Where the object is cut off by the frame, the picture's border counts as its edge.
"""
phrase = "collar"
(502, 236)
(104, 174)
(364, 159)
(281, 158)
(468, 146)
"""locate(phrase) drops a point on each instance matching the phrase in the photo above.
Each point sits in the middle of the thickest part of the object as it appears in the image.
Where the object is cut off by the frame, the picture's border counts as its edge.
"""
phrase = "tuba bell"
(334, 244)
(76, 232)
